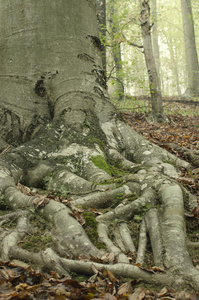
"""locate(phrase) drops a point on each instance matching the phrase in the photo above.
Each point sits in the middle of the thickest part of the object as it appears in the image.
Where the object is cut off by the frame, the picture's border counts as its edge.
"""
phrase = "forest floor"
(180, 132)
(22, 282)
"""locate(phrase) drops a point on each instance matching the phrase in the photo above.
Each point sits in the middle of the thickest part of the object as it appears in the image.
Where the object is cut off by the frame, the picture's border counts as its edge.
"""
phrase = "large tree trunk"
(68, 140)
(190, 49)
(157, 113)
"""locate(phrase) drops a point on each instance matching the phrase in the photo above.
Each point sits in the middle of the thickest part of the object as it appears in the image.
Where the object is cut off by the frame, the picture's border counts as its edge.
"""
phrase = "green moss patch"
(99, 142)
(90, 228)
(100, 162)
(117, 180)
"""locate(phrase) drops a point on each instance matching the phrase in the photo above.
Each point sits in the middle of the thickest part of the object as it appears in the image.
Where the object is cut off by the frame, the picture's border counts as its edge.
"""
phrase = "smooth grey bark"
(75, 147)
(157, 113)
(190, 49)
(30, 79)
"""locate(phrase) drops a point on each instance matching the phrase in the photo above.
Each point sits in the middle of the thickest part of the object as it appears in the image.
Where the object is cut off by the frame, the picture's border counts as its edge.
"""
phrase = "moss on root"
(102, 163)
(90, 228)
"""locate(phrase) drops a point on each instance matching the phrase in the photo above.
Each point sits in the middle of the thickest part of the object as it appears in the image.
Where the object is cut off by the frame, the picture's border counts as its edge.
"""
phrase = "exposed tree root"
(49, 260)
(146, 189)
(191, 155)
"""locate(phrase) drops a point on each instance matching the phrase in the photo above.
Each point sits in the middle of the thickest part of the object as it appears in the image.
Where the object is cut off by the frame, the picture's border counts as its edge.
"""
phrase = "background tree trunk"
(116, 49)
(190, 49)
(156, 49)
(157, 113)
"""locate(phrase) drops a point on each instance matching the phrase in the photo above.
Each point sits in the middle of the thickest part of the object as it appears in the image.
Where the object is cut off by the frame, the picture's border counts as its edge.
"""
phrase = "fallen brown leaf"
(39, 201)
(139, 294)
(125, 288)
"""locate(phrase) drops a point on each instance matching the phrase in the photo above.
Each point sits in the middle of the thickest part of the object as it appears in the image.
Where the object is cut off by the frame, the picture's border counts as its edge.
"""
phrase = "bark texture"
(70, 142)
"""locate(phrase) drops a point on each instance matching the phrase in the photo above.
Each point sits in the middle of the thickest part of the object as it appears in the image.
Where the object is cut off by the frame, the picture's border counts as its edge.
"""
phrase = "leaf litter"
(22, 282)
(179, 136)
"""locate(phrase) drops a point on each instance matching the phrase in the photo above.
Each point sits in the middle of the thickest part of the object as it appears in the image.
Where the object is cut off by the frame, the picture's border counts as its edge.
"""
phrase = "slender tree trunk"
(156, 49)
(190, 49)
(157, 114)
(176, 71)
(116, 50)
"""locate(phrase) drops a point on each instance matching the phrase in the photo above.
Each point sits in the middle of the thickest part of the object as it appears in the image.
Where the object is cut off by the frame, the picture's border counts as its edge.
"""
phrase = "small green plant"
(193, 174)
(64, 191)
(49, 126)
(46, 180)
(137, 218)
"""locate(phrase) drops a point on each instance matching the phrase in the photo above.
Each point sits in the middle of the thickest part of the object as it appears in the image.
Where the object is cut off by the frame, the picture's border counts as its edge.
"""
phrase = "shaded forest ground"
(18, 281)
